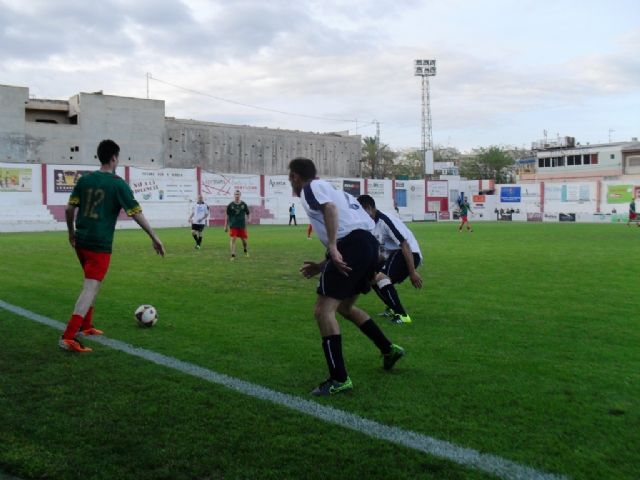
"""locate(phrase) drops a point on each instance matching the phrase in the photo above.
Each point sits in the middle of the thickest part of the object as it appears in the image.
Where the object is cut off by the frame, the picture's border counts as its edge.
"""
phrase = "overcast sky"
(507, 69)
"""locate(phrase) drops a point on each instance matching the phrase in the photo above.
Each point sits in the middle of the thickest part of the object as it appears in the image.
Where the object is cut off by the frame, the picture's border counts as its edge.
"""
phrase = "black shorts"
(395, 266)
(197, 227)
(359, 250)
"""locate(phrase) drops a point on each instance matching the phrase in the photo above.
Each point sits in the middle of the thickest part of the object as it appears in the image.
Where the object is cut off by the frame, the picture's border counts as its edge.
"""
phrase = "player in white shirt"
(198, 219)
(401, 253)
(348, 269)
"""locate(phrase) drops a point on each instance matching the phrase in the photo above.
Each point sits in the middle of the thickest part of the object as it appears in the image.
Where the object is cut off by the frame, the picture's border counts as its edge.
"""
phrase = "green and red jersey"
(99, 197)
(236, 214)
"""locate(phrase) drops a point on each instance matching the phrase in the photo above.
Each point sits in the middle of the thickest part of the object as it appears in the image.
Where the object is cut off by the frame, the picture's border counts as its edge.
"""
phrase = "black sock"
(199, 240)
(371, 330)
(389, 295)
(195, 237)
(332, 347)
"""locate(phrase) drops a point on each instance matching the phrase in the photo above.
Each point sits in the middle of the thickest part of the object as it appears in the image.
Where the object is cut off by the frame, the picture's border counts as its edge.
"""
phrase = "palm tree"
(375, 157)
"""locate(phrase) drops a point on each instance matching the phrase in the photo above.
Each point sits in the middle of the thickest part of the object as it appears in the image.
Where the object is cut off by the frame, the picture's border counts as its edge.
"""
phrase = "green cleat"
(388, 312)
(390, 359)
(400, 319)
(332, 387)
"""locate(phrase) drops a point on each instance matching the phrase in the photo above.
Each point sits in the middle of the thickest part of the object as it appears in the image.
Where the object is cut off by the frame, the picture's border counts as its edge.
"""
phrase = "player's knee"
(383, 282)
(346, 311)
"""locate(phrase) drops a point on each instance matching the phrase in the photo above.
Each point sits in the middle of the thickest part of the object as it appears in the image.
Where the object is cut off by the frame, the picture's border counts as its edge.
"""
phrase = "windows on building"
(569, 160)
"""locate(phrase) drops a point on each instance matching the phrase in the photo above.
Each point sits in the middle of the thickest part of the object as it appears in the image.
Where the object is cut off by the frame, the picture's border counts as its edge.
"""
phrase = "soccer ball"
(146, 315)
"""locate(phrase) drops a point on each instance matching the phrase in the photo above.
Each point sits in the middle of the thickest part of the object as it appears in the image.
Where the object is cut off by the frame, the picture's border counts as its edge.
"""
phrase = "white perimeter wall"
(167, 195)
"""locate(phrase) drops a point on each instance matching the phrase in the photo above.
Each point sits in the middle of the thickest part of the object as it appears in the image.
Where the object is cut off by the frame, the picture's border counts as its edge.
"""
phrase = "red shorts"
(94, 264)
(633, 215)
(238, 232)
(464, 218)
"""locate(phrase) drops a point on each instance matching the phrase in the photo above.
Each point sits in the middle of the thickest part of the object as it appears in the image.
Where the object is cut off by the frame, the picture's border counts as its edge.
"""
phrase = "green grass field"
(525, 344)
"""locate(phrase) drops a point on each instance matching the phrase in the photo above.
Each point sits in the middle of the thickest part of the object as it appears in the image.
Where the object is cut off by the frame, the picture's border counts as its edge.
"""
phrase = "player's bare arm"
(69, 215)
(416, 279)
(330, 213)
(140, 219)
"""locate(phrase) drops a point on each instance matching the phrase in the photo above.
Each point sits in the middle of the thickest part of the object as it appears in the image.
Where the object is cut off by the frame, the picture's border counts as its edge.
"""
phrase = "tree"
(491, 163)
(377, 159)
(410, 165)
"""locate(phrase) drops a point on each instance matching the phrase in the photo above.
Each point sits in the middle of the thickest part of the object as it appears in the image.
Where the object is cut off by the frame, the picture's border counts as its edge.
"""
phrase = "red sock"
(88, 319)
(72, 327)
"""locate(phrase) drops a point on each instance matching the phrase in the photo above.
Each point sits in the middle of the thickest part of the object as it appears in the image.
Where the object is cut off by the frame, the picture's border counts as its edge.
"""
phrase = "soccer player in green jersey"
(98, 198)
(235, 223)
(633, 216)
(464, 209)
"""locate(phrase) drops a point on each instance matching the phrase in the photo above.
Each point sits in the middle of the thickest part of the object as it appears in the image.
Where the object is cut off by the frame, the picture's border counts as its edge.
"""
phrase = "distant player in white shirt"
(351, 260)
(401, 254)
(198, 219)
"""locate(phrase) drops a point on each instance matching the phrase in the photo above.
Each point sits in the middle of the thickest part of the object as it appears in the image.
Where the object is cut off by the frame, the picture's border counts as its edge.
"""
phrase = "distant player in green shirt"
(633, 216)
(98, 198)
(464, 211)
(235, 223)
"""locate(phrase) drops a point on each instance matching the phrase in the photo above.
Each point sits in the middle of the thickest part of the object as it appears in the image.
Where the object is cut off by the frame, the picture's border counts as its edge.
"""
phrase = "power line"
(234, 102)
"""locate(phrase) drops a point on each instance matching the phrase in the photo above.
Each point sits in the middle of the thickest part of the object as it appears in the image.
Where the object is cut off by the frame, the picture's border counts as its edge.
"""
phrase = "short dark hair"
(106, 150)
(367, 201)
(303, 167)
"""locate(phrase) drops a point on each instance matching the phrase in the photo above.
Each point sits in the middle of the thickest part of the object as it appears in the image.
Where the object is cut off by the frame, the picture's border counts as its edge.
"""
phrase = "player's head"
(301, 171)
(200, 199)
(369, 204)
(236, 195)
(107, 149)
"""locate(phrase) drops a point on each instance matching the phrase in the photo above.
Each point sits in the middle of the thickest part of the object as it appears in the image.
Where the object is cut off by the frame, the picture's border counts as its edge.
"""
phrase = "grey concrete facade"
(67, 132)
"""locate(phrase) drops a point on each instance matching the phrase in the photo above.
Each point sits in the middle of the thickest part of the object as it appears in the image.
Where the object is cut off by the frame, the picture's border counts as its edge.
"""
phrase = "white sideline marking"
(467, 457)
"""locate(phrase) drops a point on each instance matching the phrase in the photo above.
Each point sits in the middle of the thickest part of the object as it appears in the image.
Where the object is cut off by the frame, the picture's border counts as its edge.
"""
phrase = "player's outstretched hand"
(158, 247)
(311, 269)
(416, 280)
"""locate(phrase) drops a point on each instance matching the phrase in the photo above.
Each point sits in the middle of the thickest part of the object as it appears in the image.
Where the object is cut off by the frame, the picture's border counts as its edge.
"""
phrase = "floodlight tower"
(425, 69)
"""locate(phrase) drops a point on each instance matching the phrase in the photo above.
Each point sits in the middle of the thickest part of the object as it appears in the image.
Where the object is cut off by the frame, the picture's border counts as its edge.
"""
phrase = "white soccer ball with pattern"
(146, 315)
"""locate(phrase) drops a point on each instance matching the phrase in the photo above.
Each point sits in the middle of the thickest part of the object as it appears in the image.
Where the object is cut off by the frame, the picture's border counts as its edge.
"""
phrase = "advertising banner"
(552, 192)
(510, 194)
(61, 179)
(575, 193)
(222, 187)
(15, 179)
(619, 193)
(277, 186)
(65, 180)
(534, 217)
(567, 217)
(376, 188)
(437, 188)
(352, 187)
(165, 185)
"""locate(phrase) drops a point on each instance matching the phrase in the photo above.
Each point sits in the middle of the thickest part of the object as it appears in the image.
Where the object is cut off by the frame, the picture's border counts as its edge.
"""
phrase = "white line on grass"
(463, 456)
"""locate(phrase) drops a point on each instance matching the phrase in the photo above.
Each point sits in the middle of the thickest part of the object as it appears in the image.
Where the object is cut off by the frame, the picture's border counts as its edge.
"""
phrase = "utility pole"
(148, 77)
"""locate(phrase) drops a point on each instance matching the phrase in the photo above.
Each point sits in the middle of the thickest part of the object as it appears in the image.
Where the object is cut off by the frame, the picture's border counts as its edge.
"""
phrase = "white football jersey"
(351, 215)
(391, 232)
(200, 213)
